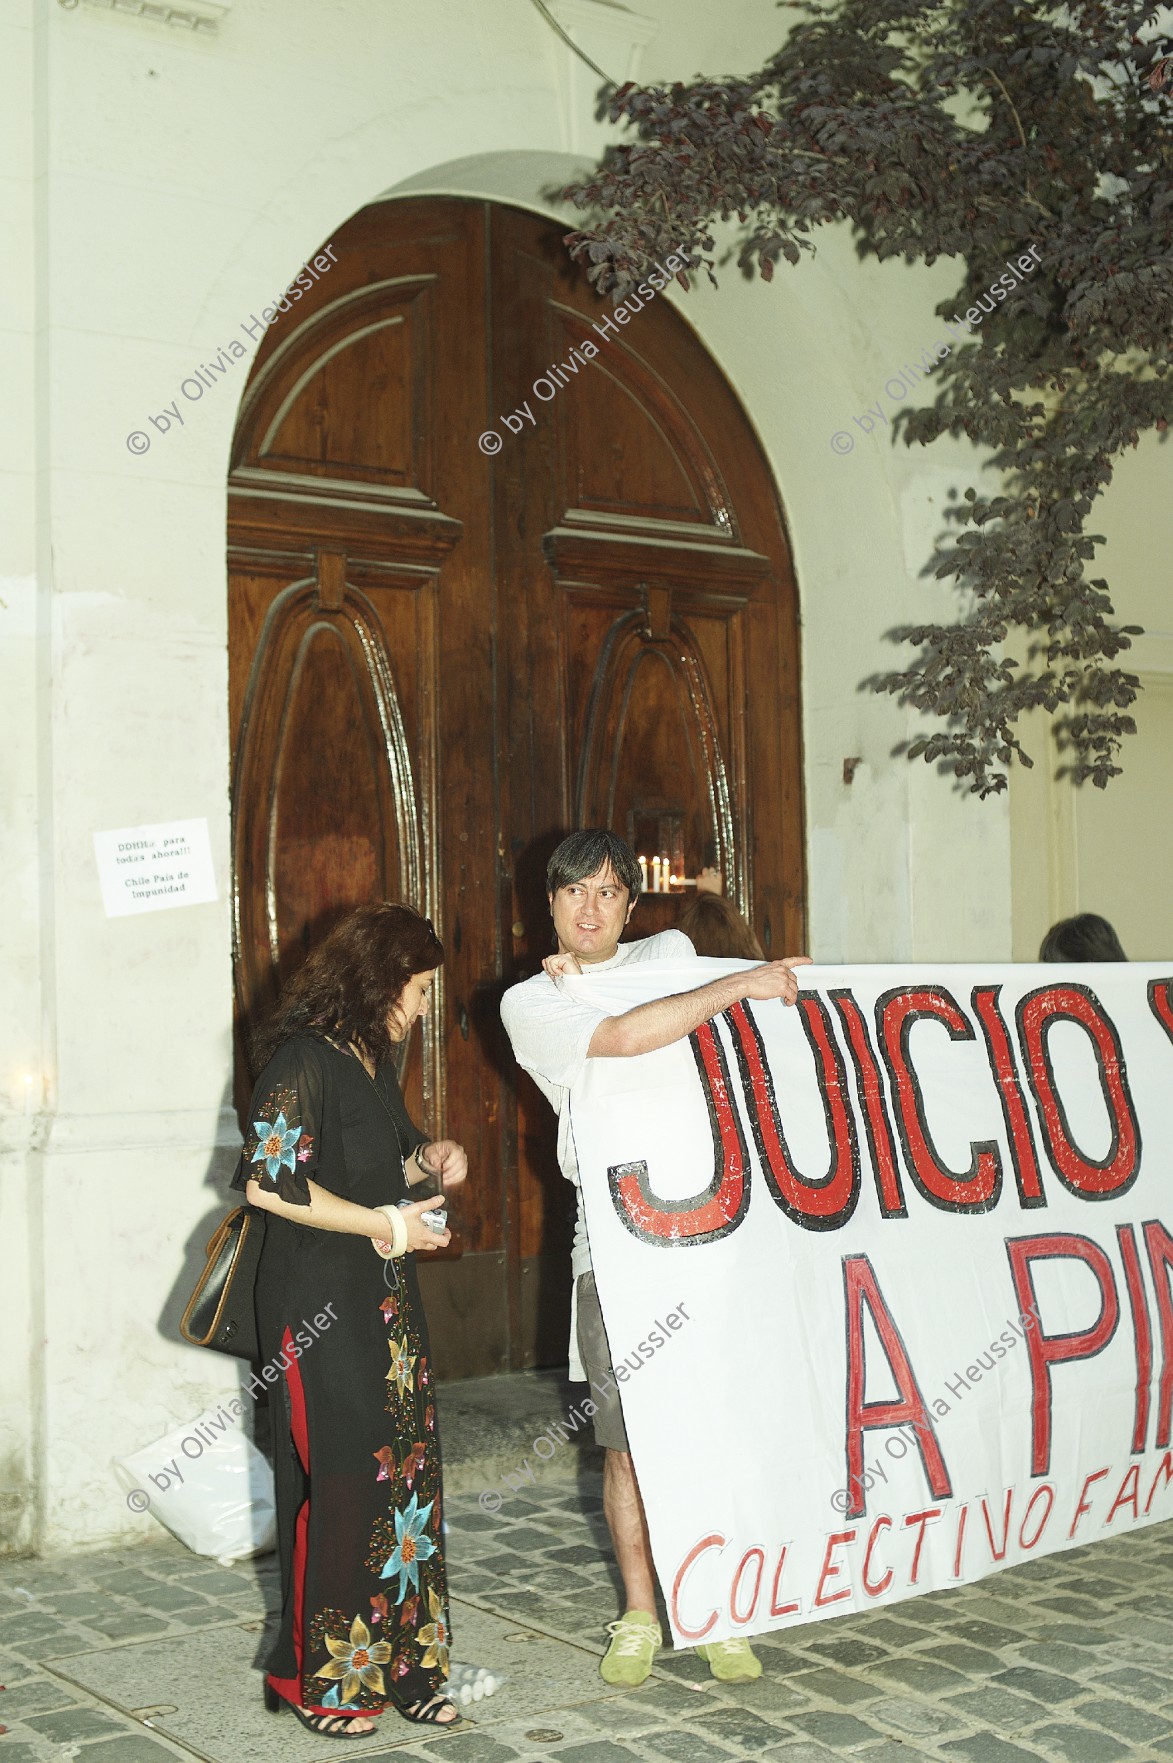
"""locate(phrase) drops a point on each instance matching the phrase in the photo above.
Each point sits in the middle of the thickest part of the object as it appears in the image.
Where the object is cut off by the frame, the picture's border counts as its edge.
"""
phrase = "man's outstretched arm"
(650, 1026)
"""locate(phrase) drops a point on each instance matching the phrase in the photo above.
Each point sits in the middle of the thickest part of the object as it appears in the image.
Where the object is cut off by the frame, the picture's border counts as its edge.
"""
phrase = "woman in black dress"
(343, 1342)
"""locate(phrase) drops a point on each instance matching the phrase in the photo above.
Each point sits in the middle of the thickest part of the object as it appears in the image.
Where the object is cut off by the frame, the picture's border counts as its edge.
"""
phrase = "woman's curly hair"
(352, 981)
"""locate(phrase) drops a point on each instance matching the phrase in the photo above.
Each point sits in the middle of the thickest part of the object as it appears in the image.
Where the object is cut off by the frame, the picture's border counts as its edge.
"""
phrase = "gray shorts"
(596, 1359)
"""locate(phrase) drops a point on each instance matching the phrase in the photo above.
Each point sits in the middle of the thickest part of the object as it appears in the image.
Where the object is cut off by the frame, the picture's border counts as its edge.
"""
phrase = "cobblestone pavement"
(145, 1654)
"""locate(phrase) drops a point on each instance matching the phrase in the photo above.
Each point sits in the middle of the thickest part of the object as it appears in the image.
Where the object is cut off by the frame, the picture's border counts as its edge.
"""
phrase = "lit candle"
(655, 875)
(643, 875)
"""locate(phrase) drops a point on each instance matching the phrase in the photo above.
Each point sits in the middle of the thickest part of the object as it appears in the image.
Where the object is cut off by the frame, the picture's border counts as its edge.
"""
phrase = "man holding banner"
(592, 884)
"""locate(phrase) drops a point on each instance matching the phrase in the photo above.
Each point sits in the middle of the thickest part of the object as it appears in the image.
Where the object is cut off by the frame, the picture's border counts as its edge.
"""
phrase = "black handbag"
(220, 1311)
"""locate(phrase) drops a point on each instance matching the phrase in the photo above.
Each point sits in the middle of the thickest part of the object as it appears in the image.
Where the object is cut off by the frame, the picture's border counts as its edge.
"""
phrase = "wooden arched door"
(443, 657)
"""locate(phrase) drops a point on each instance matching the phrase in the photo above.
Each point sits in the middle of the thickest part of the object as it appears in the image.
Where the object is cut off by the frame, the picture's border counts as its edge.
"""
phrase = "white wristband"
(397, 1235)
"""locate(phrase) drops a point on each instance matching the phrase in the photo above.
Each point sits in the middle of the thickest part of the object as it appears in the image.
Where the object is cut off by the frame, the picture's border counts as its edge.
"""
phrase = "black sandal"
(324, 1725)
(428, 1713)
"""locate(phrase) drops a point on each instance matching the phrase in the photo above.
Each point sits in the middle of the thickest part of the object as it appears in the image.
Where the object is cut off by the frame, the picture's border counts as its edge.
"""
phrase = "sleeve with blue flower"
(282, 1144)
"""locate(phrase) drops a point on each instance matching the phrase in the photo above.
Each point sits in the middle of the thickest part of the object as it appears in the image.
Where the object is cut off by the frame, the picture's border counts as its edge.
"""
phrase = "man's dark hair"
(585, 853)
(1087, 937)
(352, 980)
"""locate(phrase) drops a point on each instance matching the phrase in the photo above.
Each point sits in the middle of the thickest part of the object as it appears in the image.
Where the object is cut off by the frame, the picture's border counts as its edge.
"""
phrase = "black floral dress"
(345, 1355)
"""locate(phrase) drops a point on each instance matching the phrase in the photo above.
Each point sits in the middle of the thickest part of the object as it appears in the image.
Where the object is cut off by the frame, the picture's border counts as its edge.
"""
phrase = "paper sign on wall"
(150, 868)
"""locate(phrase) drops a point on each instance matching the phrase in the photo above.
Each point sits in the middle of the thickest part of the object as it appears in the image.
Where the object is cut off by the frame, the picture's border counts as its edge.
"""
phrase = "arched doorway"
(443, 656)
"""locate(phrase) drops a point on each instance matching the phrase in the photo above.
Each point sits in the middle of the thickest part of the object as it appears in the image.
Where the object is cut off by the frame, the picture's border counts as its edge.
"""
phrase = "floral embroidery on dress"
(357, 1663)
(412, 1545)
(275, 1144)
(402, 1366)
(434, 1636)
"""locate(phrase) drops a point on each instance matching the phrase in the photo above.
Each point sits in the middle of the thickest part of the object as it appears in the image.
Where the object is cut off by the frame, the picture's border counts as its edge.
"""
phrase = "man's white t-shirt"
(550, 1034)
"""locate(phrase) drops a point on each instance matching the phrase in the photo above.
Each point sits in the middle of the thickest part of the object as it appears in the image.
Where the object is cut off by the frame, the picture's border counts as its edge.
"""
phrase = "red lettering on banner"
(1129, 1495)
(1090, 1177)
(860, 1288)
(718, 1208)
(921, 1518)
(961, 1523)
(1084, 1504)
(870, 1085)
(1160, 995)
(757, 1585)
(1047, 1489)
(831, 1570)
(897, 1013)
(777, 1609)
(713, 1541)
(1047, 1350)
(876, 1591)
(1165, 1468)
(817, 1205)
(1014, 1110)
(996, 1553)
(1159, 1244)
(1142, 1333)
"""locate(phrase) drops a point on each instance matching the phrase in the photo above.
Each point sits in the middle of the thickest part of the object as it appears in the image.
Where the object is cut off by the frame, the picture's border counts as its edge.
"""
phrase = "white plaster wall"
(180, 185)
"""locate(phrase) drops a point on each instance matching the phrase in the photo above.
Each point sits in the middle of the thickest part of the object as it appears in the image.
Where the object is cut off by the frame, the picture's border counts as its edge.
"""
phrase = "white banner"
(886, 1277)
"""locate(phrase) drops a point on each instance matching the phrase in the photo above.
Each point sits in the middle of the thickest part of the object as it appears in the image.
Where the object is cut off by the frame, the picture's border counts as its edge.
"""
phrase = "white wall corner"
(615, 39)
(202, 16)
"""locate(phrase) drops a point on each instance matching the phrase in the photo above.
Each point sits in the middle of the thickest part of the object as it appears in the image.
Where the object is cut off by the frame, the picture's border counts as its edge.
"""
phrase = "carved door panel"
(652, 635)
(440, 662)
(361, 618)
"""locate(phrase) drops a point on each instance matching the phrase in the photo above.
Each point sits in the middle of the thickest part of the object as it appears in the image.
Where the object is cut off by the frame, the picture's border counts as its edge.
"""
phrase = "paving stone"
(983, 1747)
(1055, 1656)
(924, 1676)
(767, 1693)
(1078, 1744)
(35, 1697)
(738, 1726)
(843, 1732)
(602, 1752)
(1069, 1606)
(800, 1751)
(1075, 1634)
(846, 1650)
(683, 1746)
(983, 1634)
(894, 1751)
(916, 1718)
(182, 1597)
(74, 1724)
(21, 1631)
(974, 1660)
(997, 1707)
(1146, 1686)
(129, 1626)
(626, 1714)
(837, 1686)
(672, 1699)
(1126, 1721)
(1044, 1686)
(202, 1615)
(891, 1632)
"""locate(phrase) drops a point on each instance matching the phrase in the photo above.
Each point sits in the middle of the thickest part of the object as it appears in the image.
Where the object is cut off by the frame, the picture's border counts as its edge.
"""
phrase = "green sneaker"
(634, 1644)
(731, 1661)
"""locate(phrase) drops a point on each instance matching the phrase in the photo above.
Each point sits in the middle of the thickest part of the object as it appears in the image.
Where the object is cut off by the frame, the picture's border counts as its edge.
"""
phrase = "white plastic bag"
(208, 1484)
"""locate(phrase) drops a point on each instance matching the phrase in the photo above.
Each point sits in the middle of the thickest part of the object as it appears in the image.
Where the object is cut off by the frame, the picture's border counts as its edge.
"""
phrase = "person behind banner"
(1086, 937)
(593, 885)
(715, 927)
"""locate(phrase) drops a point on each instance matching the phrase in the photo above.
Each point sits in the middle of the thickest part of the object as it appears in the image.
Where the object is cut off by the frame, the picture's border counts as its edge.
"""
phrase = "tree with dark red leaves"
(970, 129)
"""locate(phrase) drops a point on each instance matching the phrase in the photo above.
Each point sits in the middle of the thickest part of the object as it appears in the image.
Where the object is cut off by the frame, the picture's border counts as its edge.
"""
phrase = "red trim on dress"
(289, 1688)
